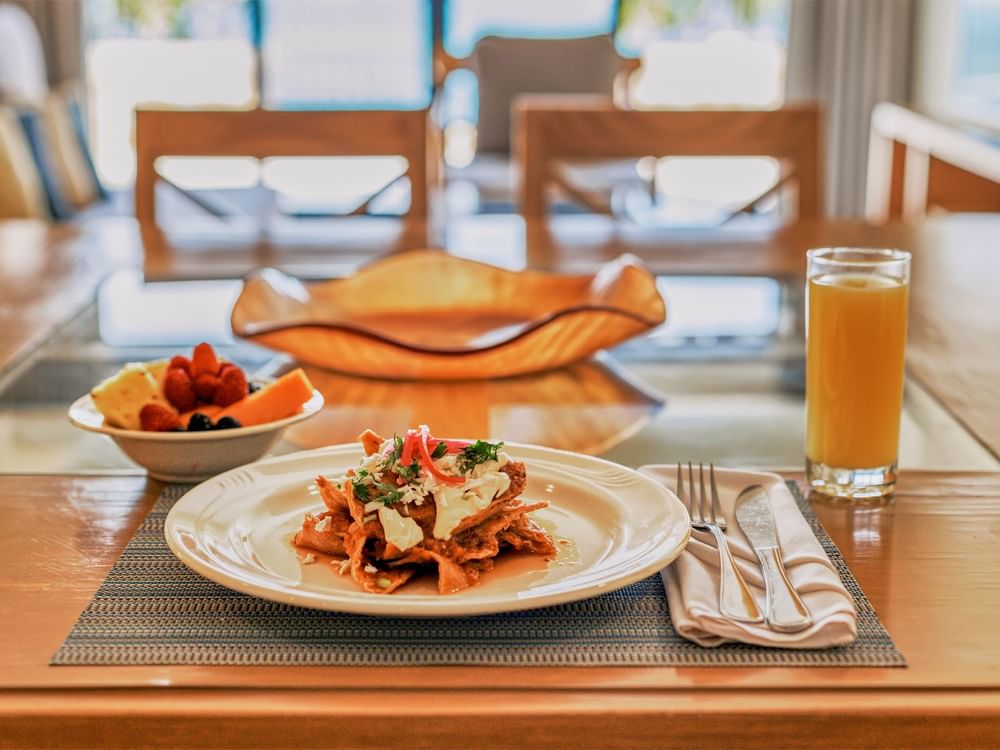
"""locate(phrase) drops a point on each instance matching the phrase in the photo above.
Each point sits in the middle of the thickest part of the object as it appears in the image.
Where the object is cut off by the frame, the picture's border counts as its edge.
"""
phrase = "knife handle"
(736, 601)
(785, 611)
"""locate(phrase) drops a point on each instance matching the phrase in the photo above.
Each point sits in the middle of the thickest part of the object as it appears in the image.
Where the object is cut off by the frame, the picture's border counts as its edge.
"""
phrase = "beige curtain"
(848, 55)
(60, 24)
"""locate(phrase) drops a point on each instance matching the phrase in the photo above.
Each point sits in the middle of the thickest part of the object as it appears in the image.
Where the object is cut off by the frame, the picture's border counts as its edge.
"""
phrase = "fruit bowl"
(190, 456)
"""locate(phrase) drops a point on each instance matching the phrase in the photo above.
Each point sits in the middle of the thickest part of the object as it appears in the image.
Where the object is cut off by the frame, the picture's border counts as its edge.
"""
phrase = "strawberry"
(179, 389)
(204, 361)
(180, 362)
(233, 386)
(158, 418)
(205, 385)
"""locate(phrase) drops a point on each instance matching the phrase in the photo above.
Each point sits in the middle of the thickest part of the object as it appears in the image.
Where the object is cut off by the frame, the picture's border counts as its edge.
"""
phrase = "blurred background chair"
(550, 130)
(490, 51)
(506, 67)
(917, 164)
(264, 133)
(46, 171)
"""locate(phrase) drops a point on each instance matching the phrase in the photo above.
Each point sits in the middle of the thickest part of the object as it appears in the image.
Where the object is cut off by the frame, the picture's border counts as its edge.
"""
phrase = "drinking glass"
(856, 306)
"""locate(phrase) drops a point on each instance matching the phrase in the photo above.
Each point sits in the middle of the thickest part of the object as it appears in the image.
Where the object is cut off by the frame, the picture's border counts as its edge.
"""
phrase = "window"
(958, 61)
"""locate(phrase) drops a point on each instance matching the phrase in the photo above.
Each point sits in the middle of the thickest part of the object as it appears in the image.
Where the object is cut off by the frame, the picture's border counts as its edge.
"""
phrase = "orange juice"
(854, 369)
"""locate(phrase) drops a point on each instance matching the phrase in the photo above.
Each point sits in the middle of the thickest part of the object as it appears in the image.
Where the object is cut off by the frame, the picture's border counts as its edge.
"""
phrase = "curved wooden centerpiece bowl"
(429, 315)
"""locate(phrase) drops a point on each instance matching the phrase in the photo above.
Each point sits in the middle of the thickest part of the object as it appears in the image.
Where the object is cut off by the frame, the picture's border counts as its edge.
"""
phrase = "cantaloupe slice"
(282, 398)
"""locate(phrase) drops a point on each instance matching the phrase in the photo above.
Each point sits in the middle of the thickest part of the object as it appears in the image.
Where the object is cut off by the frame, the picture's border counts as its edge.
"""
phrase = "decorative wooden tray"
(426, 314)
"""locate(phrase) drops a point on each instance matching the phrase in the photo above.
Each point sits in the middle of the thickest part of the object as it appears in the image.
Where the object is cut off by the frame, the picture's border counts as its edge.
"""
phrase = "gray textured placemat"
(151, 609)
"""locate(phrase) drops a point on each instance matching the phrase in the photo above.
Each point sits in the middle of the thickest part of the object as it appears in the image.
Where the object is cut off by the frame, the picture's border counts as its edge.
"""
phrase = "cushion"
(75, 112)
(22, 195)
(76, 171)
(36, 132)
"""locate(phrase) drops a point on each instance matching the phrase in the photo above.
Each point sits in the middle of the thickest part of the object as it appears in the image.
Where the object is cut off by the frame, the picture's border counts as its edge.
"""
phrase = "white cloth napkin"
(692, 581)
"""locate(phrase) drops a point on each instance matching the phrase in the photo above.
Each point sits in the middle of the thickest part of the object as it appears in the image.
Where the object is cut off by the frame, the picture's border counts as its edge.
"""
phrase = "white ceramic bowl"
(190, 456)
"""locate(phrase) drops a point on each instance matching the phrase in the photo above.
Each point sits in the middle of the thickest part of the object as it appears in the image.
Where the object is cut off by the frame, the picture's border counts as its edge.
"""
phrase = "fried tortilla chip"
(380, 567)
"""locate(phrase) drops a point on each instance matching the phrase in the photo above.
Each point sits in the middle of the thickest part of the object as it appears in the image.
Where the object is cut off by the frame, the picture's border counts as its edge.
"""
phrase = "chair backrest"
(262, 133)
(916, 163)
(550, 129)
(507, 67)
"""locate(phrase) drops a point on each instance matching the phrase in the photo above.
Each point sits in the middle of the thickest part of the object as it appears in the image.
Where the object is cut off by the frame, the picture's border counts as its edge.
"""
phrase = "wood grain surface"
(548, 129)
(48, 274)
(927, 562)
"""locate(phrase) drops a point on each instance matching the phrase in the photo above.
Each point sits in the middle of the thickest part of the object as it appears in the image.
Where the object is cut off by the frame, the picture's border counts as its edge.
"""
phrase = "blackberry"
(199, 423)
(227, 423)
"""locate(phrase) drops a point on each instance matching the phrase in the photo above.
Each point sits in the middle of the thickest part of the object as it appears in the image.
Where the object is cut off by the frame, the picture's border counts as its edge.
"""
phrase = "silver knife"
(784, 609)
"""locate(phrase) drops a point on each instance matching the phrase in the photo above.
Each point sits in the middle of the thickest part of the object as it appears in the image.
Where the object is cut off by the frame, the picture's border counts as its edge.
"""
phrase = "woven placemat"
(151, 609)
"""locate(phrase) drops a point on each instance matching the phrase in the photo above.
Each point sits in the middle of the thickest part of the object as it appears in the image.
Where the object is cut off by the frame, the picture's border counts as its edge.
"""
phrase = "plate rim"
(653, 561)
(86, 402)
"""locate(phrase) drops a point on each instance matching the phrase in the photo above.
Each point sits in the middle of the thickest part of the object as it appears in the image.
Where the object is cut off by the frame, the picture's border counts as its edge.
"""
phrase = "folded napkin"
(692, 581)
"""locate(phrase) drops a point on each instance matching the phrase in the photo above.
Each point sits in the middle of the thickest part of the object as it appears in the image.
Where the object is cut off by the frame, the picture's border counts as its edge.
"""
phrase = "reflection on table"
(587, 407)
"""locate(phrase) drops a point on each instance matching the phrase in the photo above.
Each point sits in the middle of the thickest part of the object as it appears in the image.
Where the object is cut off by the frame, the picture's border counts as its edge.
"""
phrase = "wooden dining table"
(927, 561)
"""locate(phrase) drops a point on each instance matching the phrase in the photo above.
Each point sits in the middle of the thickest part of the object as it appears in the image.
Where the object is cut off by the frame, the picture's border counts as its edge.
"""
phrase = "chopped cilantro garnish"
(478, 453)
(361, 491)
(440, 450)
(389, 494)
(394, 455)
(409, 473)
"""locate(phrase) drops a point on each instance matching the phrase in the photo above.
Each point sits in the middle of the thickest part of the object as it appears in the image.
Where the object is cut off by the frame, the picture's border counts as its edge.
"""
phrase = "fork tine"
(680, 489)
(691, 500)
(717, 518)
(703, 496)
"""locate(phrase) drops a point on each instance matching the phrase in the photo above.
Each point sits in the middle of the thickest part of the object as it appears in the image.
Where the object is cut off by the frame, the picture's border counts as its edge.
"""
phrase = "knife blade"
(785, 611)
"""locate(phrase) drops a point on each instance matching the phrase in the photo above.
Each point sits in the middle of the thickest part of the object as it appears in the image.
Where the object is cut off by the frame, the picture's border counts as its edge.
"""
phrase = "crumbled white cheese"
(369, 568)
(309, 559)
(454, 504)
(401, 531)
(323, 525)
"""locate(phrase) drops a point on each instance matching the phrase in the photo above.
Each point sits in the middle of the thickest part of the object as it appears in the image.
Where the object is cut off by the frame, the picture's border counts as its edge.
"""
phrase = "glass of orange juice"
(856, 306)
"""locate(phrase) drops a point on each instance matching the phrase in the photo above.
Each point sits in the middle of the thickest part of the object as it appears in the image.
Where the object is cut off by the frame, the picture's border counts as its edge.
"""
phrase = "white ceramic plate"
(619, 527)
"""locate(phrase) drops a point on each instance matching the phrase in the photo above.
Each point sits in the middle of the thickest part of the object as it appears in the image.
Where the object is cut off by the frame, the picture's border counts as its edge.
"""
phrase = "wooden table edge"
(418, 718)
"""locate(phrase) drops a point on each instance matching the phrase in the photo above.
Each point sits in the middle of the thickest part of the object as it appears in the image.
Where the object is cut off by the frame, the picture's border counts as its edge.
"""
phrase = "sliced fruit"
(282, 398)
(121, 397)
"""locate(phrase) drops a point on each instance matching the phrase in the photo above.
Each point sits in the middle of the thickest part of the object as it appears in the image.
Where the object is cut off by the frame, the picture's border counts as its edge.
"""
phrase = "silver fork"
(736, 601)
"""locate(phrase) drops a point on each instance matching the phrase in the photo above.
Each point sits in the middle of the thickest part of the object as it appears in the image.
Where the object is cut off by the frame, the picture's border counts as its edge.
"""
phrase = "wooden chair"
(548, 130)
(261, 133)
(916, 164)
